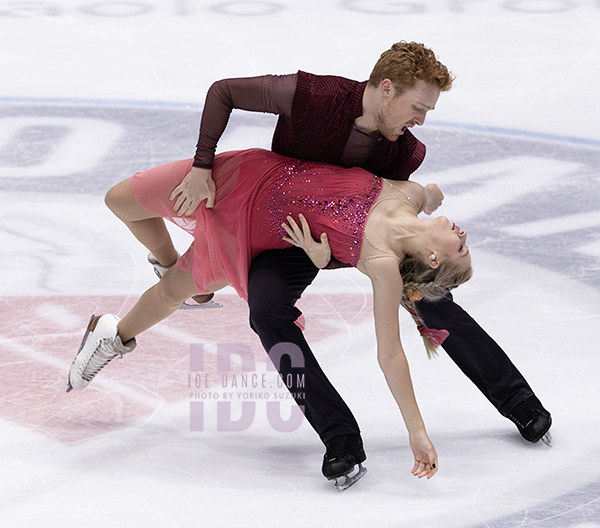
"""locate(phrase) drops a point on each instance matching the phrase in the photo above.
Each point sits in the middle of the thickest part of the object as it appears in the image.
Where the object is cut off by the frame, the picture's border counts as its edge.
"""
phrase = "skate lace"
(338, 448)
(524, 413)
(104, 353)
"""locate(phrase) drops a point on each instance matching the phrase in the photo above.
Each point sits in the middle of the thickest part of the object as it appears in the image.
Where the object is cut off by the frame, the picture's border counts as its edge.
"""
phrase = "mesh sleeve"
(271, 94)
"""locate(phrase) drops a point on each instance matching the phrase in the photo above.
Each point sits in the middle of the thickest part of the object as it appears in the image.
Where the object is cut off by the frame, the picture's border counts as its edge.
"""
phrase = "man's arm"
(270, 93)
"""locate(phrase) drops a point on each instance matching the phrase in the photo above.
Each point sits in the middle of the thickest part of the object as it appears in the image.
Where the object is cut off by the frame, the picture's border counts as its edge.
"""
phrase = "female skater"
(268, 201)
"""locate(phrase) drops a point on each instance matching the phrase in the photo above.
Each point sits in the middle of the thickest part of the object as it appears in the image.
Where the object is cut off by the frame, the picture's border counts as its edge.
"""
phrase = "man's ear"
(433, 261)
(387, 88)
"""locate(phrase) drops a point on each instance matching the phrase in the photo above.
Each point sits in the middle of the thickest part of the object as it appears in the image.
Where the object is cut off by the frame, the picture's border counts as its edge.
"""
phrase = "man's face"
(399, 112)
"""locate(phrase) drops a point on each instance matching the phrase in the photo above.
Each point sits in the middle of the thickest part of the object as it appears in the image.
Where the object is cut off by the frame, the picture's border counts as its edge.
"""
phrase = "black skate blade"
(547, 439)
(344, 482)
(85, 336)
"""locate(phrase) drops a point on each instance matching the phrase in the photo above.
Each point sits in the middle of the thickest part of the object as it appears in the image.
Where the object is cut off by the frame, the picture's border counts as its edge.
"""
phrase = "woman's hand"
(319, 252)
(434, 198)
(196, 187)
(426, 460)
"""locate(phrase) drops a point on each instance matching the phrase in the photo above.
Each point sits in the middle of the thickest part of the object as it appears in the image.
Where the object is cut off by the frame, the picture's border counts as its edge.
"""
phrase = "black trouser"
(476, 354)
(277, 280)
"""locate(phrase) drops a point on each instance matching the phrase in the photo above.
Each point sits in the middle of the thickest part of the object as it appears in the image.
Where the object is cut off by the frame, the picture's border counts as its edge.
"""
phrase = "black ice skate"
(532, 420)
(343, 460)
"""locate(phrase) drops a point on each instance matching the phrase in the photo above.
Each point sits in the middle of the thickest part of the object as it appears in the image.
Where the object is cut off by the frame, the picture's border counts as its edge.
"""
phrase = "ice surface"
(94, 91)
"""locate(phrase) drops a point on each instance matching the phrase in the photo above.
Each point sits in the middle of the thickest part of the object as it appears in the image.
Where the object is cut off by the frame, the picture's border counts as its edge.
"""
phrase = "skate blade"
(90, 328)
(191, 305)
(344, 482)
(547, 439)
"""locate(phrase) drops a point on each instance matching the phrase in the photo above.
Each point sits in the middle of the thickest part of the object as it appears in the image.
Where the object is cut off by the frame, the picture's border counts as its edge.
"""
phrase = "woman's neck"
(406, 233)
(394, 226)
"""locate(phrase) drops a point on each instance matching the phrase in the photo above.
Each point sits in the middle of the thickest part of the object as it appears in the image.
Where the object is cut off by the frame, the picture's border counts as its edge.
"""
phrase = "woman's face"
(449, 243)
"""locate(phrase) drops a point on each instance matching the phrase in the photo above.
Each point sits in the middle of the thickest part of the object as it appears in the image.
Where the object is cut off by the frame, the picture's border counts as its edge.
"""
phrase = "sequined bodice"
(333, 200)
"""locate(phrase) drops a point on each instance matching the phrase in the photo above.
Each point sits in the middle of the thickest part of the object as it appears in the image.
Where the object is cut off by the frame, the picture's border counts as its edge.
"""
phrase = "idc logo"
(239, 390)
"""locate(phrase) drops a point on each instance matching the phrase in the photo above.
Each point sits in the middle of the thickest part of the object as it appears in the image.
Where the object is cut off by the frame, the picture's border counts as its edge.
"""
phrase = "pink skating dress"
(255, 192)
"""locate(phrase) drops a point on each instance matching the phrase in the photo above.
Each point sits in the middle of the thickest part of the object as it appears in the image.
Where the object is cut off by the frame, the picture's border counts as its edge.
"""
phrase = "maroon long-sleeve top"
(316, 122)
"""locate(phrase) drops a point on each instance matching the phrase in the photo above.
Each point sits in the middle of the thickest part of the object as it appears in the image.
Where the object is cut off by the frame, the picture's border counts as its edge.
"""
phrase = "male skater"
(350, 123)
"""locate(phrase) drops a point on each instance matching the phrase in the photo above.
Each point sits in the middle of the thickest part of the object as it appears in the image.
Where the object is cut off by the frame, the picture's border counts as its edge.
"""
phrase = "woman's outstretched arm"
(387, 292)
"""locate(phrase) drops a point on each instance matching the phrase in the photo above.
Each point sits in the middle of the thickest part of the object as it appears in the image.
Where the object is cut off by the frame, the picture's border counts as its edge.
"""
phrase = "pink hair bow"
(436, 336)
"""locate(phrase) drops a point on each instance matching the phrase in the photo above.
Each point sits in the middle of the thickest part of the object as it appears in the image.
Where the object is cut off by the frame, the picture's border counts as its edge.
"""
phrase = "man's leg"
(276, 281)
(487, 366)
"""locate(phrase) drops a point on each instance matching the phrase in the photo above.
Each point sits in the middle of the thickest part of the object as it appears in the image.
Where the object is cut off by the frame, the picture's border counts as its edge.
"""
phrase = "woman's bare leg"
(157, 303)
(147, 227)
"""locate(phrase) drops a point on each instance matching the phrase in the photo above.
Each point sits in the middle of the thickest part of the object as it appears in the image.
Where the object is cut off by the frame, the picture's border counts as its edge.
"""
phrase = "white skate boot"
(100, 345)
(197, 301)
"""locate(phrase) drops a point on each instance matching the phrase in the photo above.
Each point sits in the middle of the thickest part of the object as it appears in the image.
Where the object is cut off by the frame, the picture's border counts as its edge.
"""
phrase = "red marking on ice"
(37, 354)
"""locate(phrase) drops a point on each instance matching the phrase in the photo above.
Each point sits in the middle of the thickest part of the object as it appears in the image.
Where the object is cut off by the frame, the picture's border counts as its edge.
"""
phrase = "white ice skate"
(99, 346)
(197, 301)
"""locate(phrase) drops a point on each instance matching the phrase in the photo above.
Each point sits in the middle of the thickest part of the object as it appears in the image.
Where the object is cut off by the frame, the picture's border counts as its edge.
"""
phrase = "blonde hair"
(432, 284)
(405, 63)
